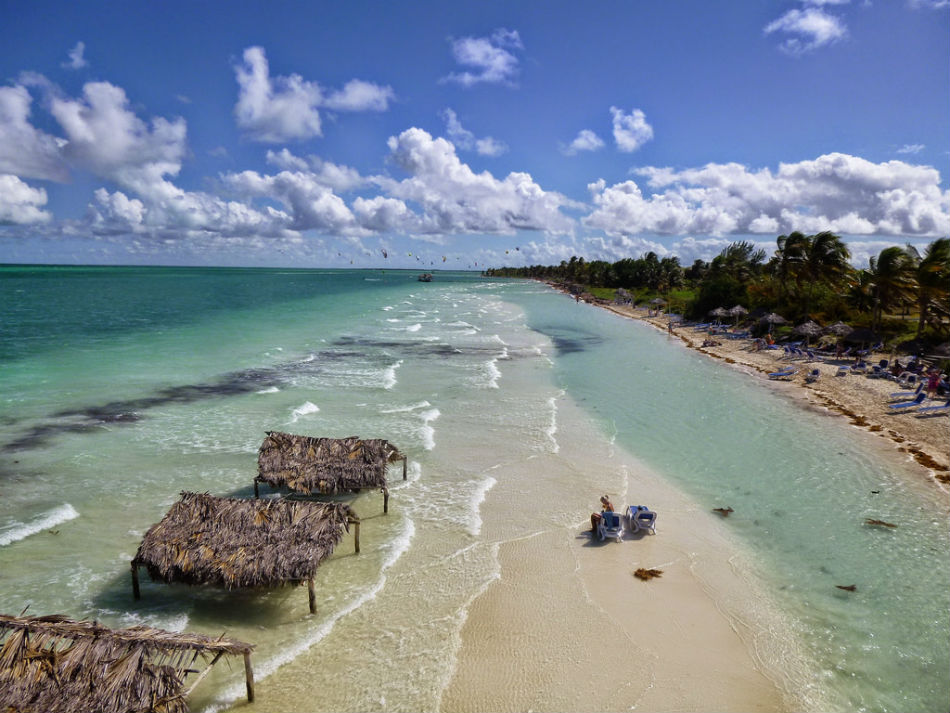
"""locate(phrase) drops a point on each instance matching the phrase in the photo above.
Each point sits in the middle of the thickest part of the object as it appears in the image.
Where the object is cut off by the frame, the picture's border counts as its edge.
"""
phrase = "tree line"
(806, 277)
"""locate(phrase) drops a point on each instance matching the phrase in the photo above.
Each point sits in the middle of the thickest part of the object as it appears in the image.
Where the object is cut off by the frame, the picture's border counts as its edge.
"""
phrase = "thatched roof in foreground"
(241, 543)
(53, 664)
(324, 465)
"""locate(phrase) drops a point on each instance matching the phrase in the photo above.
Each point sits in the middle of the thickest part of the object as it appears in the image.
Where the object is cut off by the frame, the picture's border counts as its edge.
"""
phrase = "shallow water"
(121, 387)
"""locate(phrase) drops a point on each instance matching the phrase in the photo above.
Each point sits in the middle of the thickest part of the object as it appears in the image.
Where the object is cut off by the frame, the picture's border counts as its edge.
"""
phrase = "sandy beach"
(861, 400)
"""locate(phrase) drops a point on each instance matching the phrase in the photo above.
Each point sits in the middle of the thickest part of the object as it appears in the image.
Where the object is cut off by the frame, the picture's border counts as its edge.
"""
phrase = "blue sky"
(469, 134)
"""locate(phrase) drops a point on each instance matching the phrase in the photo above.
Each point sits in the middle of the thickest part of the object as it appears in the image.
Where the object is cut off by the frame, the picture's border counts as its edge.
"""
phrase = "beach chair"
(610, 525)
(813, 376)
(843, 370)
(908, 379)
(640, 517)
(859, 367)
(905, 395)
(904, 405)
(786, 373)
(938, 410)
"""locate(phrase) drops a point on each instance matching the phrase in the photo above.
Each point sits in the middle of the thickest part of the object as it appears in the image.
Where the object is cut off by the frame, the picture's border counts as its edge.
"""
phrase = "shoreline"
(861, 400)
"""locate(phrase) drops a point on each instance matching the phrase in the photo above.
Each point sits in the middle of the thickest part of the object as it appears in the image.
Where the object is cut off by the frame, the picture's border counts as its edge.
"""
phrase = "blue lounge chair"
(906, 395)
(813, 376)
(640, 517)
(908, 404)
(843, 370)
(786, 373)
(938, 410)
(610, 525)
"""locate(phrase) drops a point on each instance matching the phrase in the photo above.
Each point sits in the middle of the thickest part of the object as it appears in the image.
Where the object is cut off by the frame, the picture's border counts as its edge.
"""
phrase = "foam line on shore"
(20, 531)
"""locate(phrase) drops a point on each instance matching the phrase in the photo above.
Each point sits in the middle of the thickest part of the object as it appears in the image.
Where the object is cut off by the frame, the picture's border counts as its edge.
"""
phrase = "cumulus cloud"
(76, 59)
(837, 192)
(586, 140)
(631, 130)
(24, 150)
(20, 203)
(810, 29)
(491, 58)
(334, 176)
(455, 199)
(911, 148)
(288, 108)
(465, 139)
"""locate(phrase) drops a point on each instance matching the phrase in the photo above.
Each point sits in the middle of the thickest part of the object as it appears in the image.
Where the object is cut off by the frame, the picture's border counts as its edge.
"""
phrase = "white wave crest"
(414, 327)
(427, 431)
(306, 408)
(478, 497)
(406, 409)
(551, 430)
(19, 531)
(269, 390)
(389, 375)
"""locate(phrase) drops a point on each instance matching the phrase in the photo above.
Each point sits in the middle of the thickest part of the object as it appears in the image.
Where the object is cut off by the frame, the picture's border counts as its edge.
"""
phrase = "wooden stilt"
(136, 594)
(312, 595)
(203, 673)
(385, 500)
(256, 494)
(405, 466)
(356, 534)
(249, 676)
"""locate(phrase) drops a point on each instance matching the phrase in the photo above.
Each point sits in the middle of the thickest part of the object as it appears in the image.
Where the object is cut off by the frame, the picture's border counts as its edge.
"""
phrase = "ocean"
(121, 387)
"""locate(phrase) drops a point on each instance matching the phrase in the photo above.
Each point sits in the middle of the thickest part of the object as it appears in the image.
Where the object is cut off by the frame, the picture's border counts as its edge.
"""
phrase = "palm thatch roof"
(53, 664)
(324, 465)
(205, 539)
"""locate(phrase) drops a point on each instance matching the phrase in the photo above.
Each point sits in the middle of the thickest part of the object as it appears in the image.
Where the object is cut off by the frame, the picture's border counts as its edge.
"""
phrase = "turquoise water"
(120, 387)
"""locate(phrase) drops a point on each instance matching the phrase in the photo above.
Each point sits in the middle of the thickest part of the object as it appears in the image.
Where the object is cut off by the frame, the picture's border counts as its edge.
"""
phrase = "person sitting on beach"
(595, 518)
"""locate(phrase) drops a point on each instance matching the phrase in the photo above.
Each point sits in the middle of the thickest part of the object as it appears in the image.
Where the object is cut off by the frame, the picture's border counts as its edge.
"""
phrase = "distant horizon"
(476, 135)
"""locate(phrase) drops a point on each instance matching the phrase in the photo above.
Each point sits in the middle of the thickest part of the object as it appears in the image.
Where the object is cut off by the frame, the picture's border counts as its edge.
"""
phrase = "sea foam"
(428, 432)
(19, 531)
(306, 408)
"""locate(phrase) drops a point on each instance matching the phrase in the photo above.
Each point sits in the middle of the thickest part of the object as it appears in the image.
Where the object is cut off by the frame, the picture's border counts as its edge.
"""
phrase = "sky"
(470, 134)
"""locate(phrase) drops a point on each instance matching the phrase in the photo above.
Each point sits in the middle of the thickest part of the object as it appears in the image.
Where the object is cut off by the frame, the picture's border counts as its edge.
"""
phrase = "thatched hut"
(327, 466)
(236, 543)
(52, 664)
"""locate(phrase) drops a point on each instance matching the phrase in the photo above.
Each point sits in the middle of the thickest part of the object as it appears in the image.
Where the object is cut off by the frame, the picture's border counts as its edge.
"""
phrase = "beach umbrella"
(737, 312)
(772, 319)
(808, 329)
(840, 329)
(718, 313)
(862, 336)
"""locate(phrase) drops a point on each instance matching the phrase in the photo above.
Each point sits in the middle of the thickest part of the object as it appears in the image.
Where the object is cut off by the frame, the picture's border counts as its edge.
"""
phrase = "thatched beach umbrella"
(718, 313)
(808, 329)
(839, 329)
(737, 312)
(772, 319)
(862, 336)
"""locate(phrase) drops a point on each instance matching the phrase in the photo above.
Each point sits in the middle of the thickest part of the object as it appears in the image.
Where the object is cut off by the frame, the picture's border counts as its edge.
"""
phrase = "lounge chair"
(610, 525)
(905, 395)
(938, 410)
(640, 517)
(859, 367)
(843, 370)
(786, 373)
(813, 376)
(908, 404)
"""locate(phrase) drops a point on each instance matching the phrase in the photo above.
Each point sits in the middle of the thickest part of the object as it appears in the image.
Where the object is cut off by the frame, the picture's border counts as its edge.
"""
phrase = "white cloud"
(586, 140)
(358, 95)
(836, 192)
(911, 148)
(20, 203)
(24, 150)
(76, 59)
(930, 4)
(631, 130)
(465, 139)
(288, 108)
(339, 178)
(489, 57)
(455, 199)
(810, 28)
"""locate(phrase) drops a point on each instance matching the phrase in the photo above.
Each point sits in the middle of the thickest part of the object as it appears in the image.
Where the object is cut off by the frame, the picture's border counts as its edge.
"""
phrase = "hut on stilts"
(327, 466)
(236, 543)
(52, 664)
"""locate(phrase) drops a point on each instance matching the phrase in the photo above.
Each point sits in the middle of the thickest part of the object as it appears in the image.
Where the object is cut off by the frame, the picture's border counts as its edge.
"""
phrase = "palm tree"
(789, 255)
(933, 283)
(894, 280)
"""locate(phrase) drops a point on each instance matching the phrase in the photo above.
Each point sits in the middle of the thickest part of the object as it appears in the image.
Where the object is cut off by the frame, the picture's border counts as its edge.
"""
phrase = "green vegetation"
(902, 296)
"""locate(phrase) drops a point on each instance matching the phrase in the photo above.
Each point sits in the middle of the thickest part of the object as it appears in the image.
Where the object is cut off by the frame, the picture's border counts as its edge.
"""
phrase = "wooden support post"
(312, 595)
(356, 534)
(135, 582)
(405, 466)
(256, 494)
(203, 673)
(385, 500)
(249, 676)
